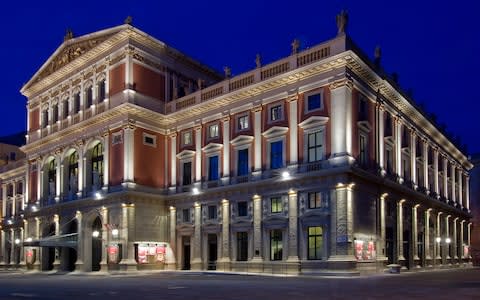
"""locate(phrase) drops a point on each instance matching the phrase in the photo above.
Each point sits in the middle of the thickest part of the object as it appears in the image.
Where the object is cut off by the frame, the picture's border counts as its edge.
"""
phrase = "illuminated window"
(243, 122)
(101, 90)
(187, 138)
(52, 177)
(314, 102)
(213, 131)
(213, 168)
(315, 146)
(315, 242)
(276, 155)
(97, 165)
(276, 244)
(276, 113)
(242, 246)
(276, 204)
(317, 200)
(242, 208)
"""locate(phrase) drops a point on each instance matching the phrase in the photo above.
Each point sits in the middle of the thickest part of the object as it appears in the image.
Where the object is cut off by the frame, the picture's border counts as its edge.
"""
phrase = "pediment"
(241, 139)
(185, 154)
(275, 131)
(212, 147)
(364, 125)
(313, 121)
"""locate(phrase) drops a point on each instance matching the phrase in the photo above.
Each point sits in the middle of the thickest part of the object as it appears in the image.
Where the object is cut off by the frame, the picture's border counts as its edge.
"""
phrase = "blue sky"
(432, 47)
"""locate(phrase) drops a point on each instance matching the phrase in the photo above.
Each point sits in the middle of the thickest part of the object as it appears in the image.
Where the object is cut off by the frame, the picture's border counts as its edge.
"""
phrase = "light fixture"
(195, 191)
(96, 233)
(438, 239)
(9, 222)
(98, 195)
(34, 208)
(448, 240)
(285, 174)
(115, 232)
(28, 240)
(17, 241)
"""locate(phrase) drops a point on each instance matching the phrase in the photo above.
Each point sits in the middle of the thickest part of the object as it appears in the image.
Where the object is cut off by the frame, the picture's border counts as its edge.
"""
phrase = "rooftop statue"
(342, 22)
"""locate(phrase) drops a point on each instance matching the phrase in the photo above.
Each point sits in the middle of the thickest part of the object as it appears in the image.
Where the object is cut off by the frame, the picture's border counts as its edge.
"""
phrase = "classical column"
(198, 153)
(12, 248)
(197, 238)
(14, 200)
(428, 255)
(170, 260)
(26, 186)
(2, 247)
(446, 243)
(226, 147)
(462, 239)
(129, 67)
(413, 158)
(414, 239)
(460, 187)
(293, 128)
(341, 118)
(4, 200)
(398, 148)
(452, 173)
(56, 262)
(257, 228)
(58, 175)
(438, 236)
(224, 261)
(467, 193)
(39, 180)
(292, 226)
(80, 243)
(127, 230)
(81, 168)
(106, 160)
(36, 264)
(425, 166)
(445, 178)
(455, 241)
(173, 159)
(400, 257)
(435, 173)
(105, 239)
(257, 132)
(128, 152)
(21, 252)
(381, 245)
(379, 109)
(469, 232)
(342, 225)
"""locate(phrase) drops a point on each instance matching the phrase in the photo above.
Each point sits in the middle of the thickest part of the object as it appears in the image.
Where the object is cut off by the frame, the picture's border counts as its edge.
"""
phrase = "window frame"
(319, 248)
(238, 122)
(145, 136)
(209, 130)
(243, 203)
(184, 136)
(242, 245)
(278, 204)
(306, 101)
(306, 144)
(209, 169)
(281, 108)
(276, 245)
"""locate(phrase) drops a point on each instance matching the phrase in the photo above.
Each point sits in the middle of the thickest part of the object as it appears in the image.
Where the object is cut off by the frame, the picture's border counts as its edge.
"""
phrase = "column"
(428, 255)
(292, 227)
(469, 232)
(197, 238)
(400, 257)
(13, 199)
(224, 261)
(39, 180)
(80, 243)
(446, 245)
(105, 239)
(58, 176)
(198, 153)
(26, 186)
(435, 173)
(226, 147)
(257, 132)
(342, 225)
(414, 239)
(462, 240)
(4, 200)
(380, 136)
(425, 166)
(2, 247)
(21, 252)
(257, 228)
(128, 155)
(293, 125)
(106, 160)
(81, 169)
(467, 193)
(445, 178)
(381, 246)
(127, 235)
(460, 187)
(173, 159)
(56, 263)
(455, 241)
(452, 172)
(170, 260)
(129, 67)
(12, 248)
(398, 148)
(438, 236)
(413, 158)
(341, 118)
(36, 264)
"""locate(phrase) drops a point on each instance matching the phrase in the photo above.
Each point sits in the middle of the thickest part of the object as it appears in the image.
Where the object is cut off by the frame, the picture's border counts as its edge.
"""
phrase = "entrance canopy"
(65, 240)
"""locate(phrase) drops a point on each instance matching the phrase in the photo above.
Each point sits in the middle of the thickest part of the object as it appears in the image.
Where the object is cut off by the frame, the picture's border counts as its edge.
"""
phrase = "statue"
(200, 83)
(68, 35)
(342, 22)
(377, 56)
(128, 20)
(295, 46)
(258, 60)
(228, 72)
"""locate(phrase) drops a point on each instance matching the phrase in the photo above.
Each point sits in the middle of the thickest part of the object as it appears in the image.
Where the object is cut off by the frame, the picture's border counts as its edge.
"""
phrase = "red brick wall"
(148, 82)
(149, 166)
(34, 119)
(117, 80)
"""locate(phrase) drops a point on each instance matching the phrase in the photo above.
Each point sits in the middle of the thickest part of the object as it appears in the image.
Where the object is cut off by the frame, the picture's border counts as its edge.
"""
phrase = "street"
(444, 284)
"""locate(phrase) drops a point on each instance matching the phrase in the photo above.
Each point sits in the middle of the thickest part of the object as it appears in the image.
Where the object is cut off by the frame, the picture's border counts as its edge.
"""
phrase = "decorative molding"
(313, 121)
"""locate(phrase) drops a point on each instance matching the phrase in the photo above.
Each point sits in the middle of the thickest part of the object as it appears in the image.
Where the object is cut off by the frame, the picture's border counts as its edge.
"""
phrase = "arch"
(68, 254)
(96, 248)
(48, 253)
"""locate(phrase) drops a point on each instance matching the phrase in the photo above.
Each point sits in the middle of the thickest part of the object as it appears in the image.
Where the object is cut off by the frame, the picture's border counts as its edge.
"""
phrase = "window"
(276, 247)
(97, 165)
(363, 155)
(362, 109)
(89, 96)
(315, 146)
(276, 113)
(55, 113)
(242, 163)
(242, 246)
(276, 155)
(243, 122)
(65, 108)
(213, 131)
(149, 140)
(187, 173)
(52, 174)
(315, 242)
(276, 205)
(213, 168)
(76, 103)
(101, 90)
(45, 118)
(389, 157)
(13, 155)
(73, 171)
(314, 102)
(242, 208)
(186, 215)
(212, 212)
(317, 200)
(187, 138)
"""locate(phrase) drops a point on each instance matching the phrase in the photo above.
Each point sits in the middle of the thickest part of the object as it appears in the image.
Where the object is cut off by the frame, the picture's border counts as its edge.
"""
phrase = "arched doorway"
(48, 253)
(96, 244)
(69, 255)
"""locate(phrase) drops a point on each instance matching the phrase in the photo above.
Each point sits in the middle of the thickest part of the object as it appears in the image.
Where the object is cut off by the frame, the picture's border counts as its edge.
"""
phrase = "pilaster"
(425, 166)
(106, 160)
(127, 230)
(257, 132)
(198, 153)
(292, 227)
(80, 243)
(293, 128)
(445, 178)
(128, 152)
(197, 238)
(173, 159)
(413, 158)
(400, 257)
(105, 240)
(226, 148)
(413, 239)
(435, 172)
(224, 261)
(257, 228)
(171, 261)
(380, 143)
(341, 117)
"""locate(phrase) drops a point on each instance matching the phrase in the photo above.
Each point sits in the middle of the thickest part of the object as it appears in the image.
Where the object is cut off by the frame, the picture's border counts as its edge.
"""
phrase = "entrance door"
(186, 253)
(420, 242)
(96, 244)
(212, 252)
(389, 245)
(406, 248)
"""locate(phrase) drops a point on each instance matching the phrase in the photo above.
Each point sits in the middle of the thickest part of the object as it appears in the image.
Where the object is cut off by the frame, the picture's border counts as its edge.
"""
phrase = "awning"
(65, 240)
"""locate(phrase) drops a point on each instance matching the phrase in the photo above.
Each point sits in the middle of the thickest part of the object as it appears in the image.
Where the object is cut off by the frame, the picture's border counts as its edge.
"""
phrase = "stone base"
(171, 266)
(57, 266)
(127, 265)
(224, 265)
(196, 265)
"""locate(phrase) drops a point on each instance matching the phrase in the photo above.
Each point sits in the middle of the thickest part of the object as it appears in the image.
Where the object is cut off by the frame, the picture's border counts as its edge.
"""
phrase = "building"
(475, 192)
(139, 157)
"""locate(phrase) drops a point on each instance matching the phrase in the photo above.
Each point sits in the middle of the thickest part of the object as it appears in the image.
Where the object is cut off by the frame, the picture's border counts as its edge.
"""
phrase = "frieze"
(149, 62)
(117, 59)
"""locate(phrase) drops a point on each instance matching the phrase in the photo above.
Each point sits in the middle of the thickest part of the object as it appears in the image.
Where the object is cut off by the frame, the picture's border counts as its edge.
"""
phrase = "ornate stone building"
(140, 157)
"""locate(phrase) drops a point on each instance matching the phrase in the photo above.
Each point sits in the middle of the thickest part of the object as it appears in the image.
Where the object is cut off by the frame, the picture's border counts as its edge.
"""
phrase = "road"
(445, 284)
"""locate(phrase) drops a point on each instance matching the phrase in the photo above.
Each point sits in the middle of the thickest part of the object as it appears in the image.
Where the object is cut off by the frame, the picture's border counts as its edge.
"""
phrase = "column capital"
(292, 97)
(225, 118)
(173, 135)
(257, 108)
(129, 125)
(347, 82)
(172, 209)
(197, 127)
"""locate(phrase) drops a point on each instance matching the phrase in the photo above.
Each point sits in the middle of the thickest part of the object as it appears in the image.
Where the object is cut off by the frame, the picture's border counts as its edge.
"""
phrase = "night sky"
(432, 48)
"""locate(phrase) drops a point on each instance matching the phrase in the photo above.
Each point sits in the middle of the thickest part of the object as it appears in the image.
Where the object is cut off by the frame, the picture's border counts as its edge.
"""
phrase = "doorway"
(186, 253)
(48, 253)
(96, 244)
(212, 252)
(389, 244)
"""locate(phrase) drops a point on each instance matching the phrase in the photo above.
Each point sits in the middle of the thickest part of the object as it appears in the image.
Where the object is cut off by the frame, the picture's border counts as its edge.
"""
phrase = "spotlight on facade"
(17, 241)
(34, 208)
(96, 233)
(115, 232)
(285, 174)
(448, 240)
(9, 222)
(28, 240)
(98, 195)
(438, 239)
(195, 191)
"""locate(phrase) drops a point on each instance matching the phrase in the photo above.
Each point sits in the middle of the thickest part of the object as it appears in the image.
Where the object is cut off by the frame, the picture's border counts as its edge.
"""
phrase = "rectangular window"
(213, 168)
(213, 131)
(186, 215)
(276, 155)
(363, 150)
(242, 246)
(149, 140)
(363, 110)
(315, 242)
(242, 162)
(315, 146)
(187, 138)
(212, 212)
(314, 102)
(89, 96)
(389, 157)
(314, 200)
(76, 103)
(276, 113)
(65, 109)
(276, 205)
(242, 208)
(45, 118)
(243, 122)
(276, 245)
(101, 91)
(55, 113)
(187, 173)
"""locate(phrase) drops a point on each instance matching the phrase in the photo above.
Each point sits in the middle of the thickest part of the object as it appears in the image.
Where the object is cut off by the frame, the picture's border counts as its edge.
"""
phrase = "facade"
(140, 157)
(475, 192)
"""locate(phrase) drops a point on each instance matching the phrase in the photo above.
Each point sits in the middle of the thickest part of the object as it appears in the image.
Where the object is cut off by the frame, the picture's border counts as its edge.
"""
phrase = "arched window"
(52, 174)
(101, 93)
(73, 170)
(97, 165)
